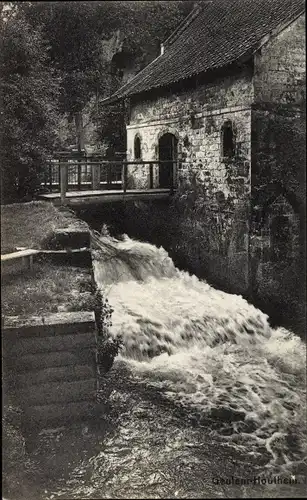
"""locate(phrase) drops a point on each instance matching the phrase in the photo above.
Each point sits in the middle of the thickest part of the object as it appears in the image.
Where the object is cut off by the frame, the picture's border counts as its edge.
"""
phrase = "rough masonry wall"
(278, 116)
(278, 170)
(280, 74)
(195, 117)
(213, 192)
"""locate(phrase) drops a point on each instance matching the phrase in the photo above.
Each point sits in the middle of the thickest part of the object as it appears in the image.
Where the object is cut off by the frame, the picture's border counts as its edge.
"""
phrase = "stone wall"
(277, 242)
(189, 112)
(280, 73)
(212, 224)
(51, 364)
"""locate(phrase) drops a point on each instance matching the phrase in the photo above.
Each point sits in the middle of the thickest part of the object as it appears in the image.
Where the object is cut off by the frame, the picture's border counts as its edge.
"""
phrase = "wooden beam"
(95, 176)
(125, 176)
(64, 182)
(151, 176)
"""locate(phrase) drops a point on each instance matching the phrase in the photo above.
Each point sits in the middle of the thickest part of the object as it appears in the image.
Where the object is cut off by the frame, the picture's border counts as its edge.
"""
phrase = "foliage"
(87, 66)
(29, 92)
(107, 350)
(146, 25)
(73, 32)
(107, 347)
(103, 312)
(54, 59)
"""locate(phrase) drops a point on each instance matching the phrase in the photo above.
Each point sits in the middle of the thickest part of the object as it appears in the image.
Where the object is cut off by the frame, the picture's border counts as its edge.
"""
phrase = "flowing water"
(210, 400)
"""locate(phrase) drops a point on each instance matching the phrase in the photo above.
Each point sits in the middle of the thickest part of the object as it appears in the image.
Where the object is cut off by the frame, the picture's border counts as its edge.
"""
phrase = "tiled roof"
(218, 34)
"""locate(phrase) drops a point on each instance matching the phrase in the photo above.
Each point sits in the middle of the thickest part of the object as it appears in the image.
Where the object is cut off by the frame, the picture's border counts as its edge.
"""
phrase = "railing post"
(95, 177)
(109, 175)
(124, 176)
(150, 176)
(50, 176)
(79, 166)
(64, 182)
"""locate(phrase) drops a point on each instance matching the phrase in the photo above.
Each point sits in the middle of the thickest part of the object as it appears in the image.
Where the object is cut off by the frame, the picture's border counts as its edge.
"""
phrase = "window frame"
(228, 125)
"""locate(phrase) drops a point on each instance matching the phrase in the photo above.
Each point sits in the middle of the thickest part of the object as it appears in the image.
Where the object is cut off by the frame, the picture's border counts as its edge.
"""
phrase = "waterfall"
(210, 352)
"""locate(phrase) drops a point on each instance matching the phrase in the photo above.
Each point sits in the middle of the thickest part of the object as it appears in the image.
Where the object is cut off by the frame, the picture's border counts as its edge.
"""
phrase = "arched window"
(137, 148)
(228, 140)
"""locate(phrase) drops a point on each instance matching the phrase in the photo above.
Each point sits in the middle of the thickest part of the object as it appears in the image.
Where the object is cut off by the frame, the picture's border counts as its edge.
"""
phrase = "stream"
(205, 400)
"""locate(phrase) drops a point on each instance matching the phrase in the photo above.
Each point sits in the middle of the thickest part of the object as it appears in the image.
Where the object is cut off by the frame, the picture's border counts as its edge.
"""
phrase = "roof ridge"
(183, 25)
(211, 38)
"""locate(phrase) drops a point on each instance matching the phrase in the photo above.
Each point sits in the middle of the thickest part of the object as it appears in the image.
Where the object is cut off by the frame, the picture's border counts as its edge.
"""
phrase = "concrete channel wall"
(50, 363)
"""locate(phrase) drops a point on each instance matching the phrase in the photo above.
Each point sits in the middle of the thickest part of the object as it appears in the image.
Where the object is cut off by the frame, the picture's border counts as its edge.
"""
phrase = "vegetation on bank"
(29, 89)
(47, 288)
(28, 224)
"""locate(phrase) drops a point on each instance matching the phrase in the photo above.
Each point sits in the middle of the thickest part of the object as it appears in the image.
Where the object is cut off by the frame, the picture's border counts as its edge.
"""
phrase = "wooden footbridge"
(83, 180)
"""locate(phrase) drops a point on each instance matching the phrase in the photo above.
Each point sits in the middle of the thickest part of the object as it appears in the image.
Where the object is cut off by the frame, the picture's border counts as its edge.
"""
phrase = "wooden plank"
(60, 373)
(114, 162)
(79, 173)
(105, 192)
(48, 344)
(95, 176)
(18, 255)
(50, 177)
(98, 200)
(51, 360)
(109, 176)
(41, 415)
(48, 325)
(58, 392)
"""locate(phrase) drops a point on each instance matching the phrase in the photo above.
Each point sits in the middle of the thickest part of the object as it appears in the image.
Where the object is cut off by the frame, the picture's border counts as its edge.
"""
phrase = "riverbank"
(203, 392)
(204, 401)
(29, 224)
(46, 287)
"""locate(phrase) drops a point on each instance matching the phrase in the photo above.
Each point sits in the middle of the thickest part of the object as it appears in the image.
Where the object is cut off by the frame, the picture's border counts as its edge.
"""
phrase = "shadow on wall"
(278, 263)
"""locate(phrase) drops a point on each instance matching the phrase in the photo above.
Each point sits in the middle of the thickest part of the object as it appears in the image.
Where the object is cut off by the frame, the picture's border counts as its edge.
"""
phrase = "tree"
(73, 31)
(29, 93)
(76, 31)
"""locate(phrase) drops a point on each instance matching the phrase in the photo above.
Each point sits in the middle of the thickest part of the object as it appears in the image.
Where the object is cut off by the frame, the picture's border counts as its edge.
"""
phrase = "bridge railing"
(85, 173)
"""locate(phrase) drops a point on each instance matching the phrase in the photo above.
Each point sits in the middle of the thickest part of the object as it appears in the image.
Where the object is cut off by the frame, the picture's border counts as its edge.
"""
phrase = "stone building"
(225, 100)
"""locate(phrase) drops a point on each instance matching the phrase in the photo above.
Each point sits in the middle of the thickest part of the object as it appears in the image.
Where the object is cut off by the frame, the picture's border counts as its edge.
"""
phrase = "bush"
(107, 347)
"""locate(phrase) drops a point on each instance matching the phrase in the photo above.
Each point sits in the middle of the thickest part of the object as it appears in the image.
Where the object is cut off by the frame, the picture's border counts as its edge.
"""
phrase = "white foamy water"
(207, 351)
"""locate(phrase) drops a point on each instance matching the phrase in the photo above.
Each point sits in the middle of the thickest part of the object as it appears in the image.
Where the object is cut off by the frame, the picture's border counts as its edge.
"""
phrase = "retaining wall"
(50, 365)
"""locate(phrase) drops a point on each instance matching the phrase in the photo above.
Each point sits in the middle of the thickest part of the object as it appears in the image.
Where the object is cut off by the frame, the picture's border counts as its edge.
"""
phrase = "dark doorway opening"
(167, 155)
